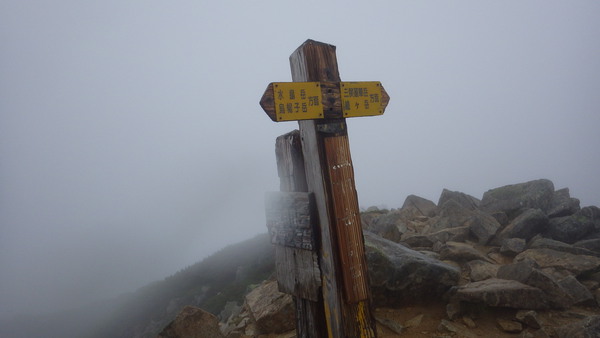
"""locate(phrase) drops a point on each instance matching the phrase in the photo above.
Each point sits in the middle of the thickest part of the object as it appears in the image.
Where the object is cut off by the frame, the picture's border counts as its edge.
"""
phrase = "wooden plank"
(310, 315)
(290, 219)
(315, 61)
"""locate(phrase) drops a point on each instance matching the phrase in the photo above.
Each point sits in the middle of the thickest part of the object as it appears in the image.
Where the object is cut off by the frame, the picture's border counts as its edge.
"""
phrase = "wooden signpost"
(315, 221)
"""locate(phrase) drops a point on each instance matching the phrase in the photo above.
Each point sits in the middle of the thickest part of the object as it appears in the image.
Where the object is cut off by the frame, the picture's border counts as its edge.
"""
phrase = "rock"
(512, 246)
(562, 204)
(577, 291)
(511, 199)
(588, 327)
(501, 293)
(272, 310)
(539, 242)
(414, 322)
(390, 324)
(399, 275)
(460, 252)
(482, 226)
(526, 273)
(529, 318)
(451, 215)
(455, 328)
(569, 229)
(453, 310)
(417, 241)
(548, 258)
(480, 270)
(192, 322)
(464, 200)
(528, 224)
(509, 326)
(589, 244)
(593, 214)
(390, 226)
(469, 322)
(458, 234)
(424, 206)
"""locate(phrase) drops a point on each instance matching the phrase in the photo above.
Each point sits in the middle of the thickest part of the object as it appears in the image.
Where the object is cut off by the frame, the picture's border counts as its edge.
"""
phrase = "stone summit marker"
(314, 221)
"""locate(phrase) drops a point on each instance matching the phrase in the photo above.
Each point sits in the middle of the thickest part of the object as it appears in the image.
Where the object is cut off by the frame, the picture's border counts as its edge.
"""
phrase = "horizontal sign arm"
(292, 101)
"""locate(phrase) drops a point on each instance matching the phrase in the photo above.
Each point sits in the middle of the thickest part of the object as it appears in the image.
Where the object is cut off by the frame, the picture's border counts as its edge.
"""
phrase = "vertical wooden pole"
(330, 176)
(310, 317)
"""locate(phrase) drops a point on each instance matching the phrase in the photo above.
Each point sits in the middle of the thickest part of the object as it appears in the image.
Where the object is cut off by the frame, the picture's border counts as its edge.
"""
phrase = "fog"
(132, 143)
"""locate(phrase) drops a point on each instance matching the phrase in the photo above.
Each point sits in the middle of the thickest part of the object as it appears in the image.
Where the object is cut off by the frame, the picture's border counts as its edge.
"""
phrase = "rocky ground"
(522, 261)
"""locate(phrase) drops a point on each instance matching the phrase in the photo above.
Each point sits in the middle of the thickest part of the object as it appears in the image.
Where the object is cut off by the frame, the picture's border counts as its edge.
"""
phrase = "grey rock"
(482, 226)
(593, 214)
(511, 199)
(458, 234)
(512, 246)
(577, 291)
(272, 310)
(529, 318)
(451, 215)
(424, 206)
(562, 204)
(509, 326)
(417, 241)
(460, 252)
(569, 229)
(526, 273)
(464, 200)
(548, 258)
(457, 329)
(539, 242)
(501, 293)
(528, 224)
(480, 270)
(399, 274)
(589, 244)
(588, 327)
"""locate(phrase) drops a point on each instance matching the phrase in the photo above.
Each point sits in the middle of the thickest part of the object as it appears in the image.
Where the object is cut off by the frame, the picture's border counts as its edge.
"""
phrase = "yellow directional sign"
(297, 101)
(361, 98)
(292, 101)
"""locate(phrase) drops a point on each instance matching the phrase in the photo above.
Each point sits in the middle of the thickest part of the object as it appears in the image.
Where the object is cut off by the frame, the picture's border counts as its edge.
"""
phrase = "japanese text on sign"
(297, 101)
(361, 98)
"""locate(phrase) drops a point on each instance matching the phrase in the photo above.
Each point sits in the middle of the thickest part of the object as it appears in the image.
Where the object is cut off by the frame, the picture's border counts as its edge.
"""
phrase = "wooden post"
(330, 176)
(315, 217)
(298, 270)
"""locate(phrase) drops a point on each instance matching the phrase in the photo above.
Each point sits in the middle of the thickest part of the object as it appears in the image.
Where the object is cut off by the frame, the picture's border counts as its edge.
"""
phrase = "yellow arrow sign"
(292, 101)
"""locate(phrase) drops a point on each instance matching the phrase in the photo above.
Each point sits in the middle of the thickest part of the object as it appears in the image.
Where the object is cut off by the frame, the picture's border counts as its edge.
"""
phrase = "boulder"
(513, 198)
(569, 229)
(460, 252)
(576, 291)
(589, 244)
(480, 270)
(192, 322)
(593, 214)
(526, 273)
(528, 224)
(512, 246)
(458, 234)
(509, 326)
(529, 318)
(424, 206)
(501, 293)
(539, 242)
(464, 200)
(482, 226)
(562, 204)
(548, 258)
(272, 310)
(400, 275)
(451, 215)
(391, 225)
(587, 327)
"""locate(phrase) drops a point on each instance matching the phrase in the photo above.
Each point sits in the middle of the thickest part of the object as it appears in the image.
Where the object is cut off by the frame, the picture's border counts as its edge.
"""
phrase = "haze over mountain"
(132, 142)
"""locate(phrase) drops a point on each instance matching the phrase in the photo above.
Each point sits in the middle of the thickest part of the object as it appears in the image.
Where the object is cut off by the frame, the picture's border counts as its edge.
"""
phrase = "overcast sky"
(132, 143)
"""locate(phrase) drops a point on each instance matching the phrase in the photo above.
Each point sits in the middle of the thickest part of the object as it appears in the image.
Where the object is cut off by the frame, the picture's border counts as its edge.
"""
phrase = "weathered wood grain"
(315, 61)
(297, 270)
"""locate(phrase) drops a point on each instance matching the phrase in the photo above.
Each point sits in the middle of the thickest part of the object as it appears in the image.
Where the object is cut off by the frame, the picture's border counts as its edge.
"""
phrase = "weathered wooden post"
(320, 102)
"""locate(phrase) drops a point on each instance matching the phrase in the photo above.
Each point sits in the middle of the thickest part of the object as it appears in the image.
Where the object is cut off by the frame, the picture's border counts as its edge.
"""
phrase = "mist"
(132, 143)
